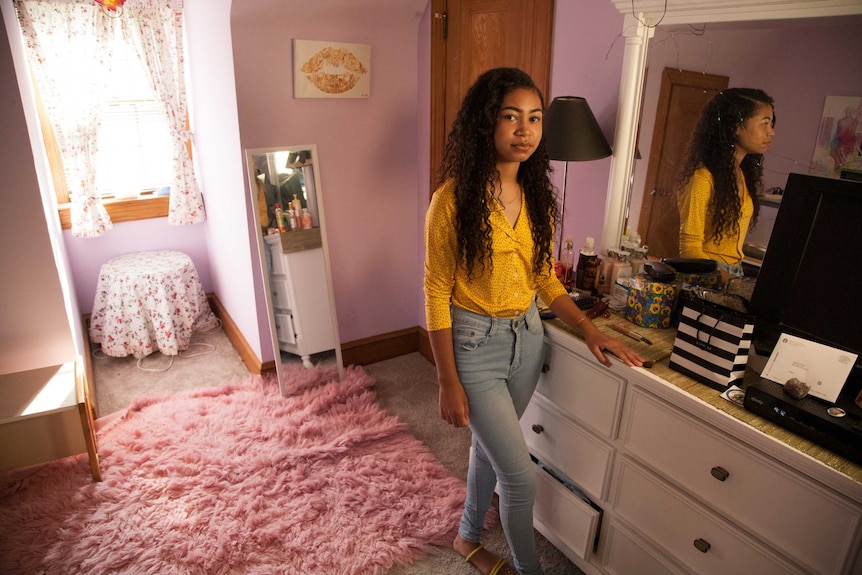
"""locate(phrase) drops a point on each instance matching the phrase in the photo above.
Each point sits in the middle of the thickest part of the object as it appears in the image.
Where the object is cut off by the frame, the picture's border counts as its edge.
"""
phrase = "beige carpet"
(405, 386)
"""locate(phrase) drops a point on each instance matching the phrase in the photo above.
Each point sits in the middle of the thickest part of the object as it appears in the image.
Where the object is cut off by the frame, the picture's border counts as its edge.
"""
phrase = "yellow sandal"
(470, 555)
(498, 566)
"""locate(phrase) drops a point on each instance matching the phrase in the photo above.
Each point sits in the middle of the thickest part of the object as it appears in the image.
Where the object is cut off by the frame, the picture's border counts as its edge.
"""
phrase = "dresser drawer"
(280, 293)
(284, 329)
(703, 542)
(587, 391)
(276, 253)
(799, 517)
(564, 518)
(579, 455)
(623, 553)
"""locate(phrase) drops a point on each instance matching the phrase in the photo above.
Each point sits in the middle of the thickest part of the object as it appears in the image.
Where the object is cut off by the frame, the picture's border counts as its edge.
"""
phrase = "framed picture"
(839, 137)
(331, 69)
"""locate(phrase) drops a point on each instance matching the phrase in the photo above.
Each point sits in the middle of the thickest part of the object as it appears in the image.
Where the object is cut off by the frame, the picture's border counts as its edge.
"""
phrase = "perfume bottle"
(567, 259)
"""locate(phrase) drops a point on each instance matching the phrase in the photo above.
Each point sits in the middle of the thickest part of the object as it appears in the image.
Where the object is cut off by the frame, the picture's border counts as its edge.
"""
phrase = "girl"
(723, 175)
(489, 240)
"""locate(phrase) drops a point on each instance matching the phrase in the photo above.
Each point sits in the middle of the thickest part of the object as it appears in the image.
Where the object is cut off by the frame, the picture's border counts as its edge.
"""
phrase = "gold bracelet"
(577, 323)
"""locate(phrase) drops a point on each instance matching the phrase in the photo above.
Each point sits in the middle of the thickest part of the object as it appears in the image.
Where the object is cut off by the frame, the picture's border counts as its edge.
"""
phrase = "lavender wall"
(87, 255)
(587, 59)
(368, 148)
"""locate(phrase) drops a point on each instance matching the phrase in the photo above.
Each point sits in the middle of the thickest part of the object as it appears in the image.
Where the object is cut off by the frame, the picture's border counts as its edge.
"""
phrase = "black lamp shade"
(572, 133)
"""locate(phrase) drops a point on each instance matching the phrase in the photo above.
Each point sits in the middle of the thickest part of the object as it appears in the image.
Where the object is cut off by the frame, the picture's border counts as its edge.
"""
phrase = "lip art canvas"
(331, 69)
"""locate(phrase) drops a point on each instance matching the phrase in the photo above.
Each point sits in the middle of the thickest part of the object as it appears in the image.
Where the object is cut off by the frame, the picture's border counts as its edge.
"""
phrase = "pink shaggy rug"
(234, 480)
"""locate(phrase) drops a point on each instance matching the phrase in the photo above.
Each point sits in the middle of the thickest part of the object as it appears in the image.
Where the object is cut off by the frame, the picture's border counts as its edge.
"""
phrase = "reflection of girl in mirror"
(723, 175)
(489, 236)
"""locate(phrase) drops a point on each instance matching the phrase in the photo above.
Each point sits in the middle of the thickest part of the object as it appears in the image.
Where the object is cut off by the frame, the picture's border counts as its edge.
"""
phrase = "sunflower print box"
(650, 303)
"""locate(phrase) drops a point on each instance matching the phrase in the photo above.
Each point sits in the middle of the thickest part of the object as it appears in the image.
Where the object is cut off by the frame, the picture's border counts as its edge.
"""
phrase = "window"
(120, 137)
(135, 148)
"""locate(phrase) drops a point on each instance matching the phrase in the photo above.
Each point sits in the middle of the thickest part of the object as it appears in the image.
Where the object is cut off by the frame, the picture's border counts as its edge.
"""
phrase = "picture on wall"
(331, 69)
(839, 138)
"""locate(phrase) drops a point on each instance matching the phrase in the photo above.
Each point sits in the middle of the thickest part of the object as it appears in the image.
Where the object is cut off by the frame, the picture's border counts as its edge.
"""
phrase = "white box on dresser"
(677, 485)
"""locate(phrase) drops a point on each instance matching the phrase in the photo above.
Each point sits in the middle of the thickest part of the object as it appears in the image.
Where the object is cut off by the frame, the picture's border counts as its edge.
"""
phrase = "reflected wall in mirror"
(286, 197)
(755, 46)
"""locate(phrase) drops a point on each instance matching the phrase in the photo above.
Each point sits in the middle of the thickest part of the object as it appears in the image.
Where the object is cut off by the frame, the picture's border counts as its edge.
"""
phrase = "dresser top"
(662, 344)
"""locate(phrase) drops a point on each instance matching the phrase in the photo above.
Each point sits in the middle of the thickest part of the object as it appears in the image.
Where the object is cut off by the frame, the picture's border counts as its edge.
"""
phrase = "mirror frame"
(252, 191)
(637, 31)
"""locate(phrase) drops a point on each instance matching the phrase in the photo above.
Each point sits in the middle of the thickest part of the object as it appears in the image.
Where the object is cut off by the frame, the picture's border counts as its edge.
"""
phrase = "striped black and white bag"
(712, 343)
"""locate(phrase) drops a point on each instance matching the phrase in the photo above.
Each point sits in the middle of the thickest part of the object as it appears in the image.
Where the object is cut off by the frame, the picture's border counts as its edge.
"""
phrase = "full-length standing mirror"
(284, 184)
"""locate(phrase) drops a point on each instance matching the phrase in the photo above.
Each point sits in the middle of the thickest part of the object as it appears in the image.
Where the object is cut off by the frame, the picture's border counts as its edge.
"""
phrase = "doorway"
(682, 97)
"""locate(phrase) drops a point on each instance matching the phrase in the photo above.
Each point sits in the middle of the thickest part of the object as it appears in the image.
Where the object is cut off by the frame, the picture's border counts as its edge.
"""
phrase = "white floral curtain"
(76, 34)
(61, 36)
(155, 28)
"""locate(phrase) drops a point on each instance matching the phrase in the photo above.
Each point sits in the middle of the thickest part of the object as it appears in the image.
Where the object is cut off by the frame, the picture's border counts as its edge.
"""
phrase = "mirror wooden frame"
(250, 153)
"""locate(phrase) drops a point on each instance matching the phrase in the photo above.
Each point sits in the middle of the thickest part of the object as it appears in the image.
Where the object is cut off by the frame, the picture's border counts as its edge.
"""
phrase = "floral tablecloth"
(148, 301)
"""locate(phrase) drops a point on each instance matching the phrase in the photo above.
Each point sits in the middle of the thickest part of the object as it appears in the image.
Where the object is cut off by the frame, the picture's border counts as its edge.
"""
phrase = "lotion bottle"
(306, 219)
(588, 267)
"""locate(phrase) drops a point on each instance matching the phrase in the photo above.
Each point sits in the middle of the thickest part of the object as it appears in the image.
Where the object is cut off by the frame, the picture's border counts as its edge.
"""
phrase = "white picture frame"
(323, 69)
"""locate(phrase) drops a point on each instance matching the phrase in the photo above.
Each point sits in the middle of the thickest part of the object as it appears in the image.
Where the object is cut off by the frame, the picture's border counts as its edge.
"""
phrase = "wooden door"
(683, 95)
(472, 36)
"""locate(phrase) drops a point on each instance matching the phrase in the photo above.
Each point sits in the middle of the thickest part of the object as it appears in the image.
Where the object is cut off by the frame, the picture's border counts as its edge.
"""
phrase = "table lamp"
(572, 134)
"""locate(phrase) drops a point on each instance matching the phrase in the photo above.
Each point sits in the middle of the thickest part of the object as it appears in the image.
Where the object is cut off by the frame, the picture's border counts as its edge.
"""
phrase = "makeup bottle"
(637, 259)
(306, 219)
(588, 267)
(621, 276)
(603, 278)
(279, 217)
(621, 267)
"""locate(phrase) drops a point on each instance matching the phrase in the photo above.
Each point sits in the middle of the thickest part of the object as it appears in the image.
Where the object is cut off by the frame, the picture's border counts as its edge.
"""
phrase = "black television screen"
(812, 271)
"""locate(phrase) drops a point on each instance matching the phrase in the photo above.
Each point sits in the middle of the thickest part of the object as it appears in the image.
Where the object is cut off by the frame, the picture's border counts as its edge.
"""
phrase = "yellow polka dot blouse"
(507, 291)
(696, 235)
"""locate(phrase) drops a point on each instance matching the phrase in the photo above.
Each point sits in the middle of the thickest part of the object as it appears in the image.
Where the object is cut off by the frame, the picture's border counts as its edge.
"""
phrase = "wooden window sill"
(127, 210)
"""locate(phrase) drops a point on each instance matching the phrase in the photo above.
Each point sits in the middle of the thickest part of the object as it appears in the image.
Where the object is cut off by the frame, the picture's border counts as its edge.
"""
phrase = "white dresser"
(647, 478)
(300, 300)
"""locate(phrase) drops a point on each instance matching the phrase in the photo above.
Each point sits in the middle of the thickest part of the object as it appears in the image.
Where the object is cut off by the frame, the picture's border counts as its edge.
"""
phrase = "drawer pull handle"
(537, 429)
(719, 473)
(546, 368)
(702, 545)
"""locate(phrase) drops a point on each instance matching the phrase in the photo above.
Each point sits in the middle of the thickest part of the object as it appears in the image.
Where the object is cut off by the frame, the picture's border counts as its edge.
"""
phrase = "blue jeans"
(499, 361)
(732, 269)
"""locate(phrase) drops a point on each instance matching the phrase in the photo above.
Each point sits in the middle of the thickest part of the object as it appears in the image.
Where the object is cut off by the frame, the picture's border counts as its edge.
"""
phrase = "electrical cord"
(183, 354)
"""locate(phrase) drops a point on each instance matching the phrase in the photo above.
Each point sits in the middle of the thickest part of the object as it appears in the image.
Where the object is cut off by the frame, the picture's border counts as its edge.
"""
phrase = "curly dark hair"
(712, 146)
(470, 159)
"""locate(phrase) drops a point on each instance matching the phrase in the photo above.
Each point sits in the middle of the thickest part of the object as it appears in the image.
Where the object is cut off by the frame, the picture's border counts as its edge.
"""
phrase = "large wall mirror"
(286, 195)
(627, 181)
